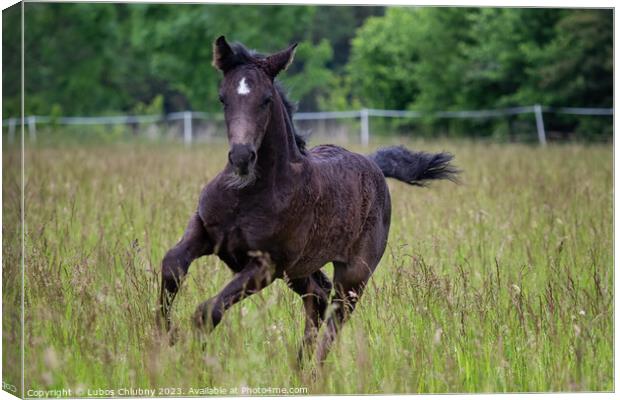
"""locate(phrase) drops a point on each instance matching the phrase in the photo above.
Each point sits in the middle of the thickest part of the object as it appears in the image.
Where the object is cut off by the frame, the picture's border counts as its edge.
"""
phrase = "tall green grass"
(501, 284)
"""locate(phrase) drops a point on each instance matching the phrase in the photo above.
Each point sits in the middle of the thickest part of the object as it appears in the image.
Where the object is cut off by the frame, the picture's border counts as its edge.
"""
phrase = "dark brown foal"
(278, 210)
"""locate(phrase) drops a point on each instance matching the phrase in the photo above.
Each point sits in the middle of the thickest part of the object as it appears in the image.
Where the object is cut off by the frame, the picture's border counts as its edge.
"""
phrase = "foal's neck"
(278, 149)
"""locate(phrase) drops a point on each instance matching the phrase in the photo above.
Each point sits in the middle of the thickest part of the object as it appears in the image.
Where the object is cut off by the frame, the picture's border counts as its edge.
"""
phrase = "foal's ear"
(223, 54)
(280, 61)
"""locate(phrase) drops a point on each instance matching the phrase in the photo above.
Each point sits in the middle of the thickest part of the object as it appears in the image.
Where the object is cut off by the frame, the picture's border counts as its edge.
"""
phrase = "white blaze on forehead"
(243, 87)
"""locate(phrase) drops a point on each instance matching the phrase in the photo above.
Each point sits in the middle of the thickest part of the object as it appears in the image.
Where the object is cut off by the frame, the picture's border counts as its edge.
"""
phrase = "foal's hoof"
(199, 318)
(173, 335)
(166, 330)
(170, 336)
(304, 358)
(206, 317)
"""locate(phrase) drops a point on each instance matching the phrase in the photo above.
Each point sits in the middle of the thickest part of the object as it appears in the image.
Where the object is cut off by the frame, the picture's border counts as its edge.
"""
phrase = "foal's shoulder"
(213, 191)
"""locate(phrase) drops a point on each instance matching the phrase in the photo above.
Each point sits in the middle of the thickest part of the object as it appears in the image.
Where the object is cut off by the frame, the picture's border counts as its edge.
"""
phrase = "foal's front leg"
(257, 275)
(194, 243)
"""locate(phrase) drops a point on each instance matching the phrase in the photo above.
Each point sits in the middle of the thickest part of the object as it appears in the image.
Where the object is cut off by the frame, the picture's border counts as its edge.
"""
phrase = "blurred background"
(515, 70)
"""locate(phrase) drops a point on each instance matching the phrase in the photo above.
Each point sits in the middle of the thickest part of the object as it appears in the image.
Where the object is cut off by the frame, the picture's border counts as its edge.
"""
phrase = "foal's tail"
(414, 168)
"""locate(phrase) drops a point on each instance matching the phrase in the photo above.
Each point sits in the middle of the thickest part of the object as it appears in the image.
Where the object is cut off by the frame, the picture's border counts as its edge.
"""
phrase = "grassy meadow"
(501, 284)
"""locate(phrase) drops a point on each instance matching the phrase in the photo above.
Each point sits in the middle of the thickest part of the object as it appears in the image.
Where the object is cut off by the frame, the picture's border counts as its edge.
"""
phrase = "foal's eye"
(266, 101)
(222, 99)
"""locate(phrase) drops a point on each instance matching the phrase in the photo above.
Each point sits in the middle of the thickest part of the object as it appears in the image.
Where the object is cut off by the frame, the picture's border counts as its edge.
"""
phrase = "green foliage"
(497, 57)
(178, 39)
(97, 58)
(382, 60)
(339, 98)
(337, 25)
(11, 61)
(575, 69)
(155, 107)
(314, 77)
(72, 58)
(459, 59)
(94, 59)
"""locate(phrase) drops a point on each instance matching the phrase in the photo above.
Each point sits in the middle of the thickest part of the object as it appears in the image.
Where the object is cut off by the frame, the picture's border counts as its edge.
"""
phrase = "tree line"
(96, 59)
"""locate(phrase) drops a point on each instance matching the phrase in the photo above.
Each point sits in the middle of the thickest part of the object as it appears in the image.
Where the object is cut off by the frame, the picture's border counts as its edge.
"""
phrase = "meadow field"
(503, 283)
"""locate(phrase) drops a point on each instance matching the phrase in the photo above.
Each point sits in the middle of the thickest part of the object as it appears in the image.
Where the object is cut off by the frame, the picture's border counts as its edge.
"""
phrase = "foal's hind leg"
(194, 243)
(314, 291)
(349, 282)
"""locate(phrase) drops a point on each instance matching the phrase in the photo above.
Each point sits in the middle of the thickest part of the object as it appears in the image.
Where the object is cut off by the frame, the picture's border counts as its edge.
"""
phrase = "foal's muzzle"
(242, 157)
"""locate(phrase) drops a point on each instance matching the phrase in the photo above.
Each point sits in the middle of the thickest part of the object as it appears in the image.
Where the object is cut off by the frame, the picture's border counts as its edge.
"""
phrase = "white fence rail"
(364, 115)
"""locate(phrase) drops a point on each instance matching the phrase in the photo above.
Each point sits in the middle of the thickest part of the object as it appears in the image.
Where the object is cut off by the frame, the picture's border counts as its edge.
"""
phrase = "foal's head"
(247, 93)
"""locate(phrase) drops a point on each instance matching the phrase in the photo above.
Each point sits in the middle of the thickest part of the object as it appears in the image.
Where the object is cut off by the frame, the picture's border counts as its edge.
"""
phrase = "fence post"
(540, 125)
(187, 127)
(32, 128)
(365, 128)
(12, 122)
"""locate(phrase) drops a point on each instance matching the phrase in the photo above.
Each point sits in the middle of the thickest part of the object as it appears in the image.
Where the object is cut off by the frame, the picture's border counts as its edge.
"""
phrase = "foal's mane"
(244, 56)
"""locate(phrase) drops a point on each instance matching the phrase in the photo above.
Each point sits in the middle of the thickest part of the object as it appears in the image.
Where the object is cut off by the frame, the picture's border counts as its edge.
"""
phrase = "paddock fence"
(191, 125)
